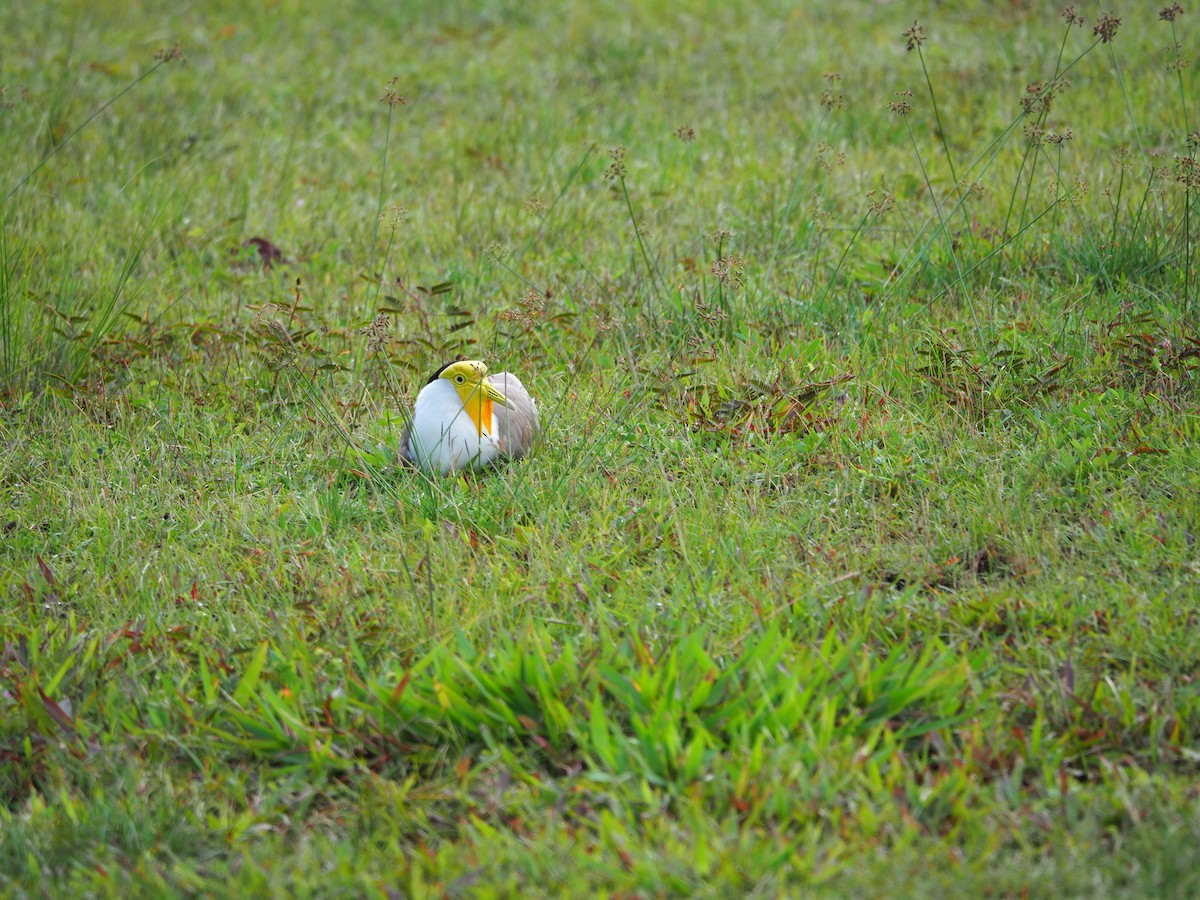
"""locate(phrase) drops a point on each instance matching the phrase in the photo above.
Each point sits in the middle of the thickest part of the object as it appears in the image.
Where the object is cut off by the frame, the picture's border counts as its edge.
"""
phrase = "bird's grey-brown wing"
(517, 423)
(406, 454)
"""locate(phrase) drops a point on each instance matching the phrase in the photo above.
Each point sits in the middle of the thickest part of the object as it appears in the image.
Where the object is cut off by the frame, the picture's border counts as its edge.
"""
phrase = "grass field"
(859, 556)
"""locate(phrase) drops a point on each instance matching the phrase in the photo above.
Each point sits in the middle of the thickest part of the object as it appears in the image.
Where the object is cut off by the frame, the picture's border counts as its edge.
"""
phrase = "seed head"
(1033, 95)
(901, 107)
(165, 55)
(976, 189)
(1071, 17)
(827, 158)
(390, 97)
(882, 204)
(832, 101)
(820, 217)
(528, 311)
(394, 217)
(1106, 27)
(914, 37)
(1187, 172)
(376, 333)
(1039, 95)
(616, 169)
(706, 311)
(1170, 13)
(686, 133)
(729, 270)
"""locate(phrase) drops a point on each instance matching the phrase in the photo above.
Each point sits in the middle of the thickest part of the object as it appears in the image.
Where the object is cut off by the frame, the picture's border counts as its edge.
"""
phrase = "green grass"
(859, 556)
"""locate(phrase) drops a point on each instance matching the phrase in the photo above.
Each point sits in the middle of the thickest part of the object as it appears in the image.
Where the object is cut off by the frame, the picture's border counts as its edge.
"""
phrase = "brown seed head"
(901, 107)
(1106, 27)
(1187, 172)
(827, 158)
(832, 100)
(1039, 95)
(390, 97)
(528, 312)
(729, 271)
(1071, 17)
(616, 169)
(166, 55)
(914, 37)
(394, 217)
(1170, 13)
(686, 133)
(377, 332)
(881, 204)
(1178, 61)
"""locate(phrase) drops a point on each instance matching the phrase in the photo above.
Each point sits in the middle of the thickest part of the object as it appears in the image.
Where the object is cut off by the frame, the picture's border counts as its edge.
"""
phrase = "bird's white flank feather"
(443, 436)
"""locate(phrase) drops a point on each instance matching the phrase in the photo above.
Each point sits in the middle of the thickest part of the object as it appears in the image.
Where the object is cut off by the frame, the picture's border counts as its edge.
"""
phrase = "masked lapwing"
(467, 419)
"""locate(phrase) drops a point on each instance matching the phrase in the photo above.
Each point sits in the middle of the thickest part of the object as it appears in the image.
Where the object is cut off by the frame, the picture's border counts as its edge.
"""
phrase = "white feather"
(443, 436)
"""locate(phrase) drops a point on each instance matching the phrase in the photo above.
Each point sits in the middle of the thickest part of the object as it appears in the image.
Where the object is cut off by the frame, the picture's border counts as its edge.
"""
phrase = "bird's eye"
(458, 379)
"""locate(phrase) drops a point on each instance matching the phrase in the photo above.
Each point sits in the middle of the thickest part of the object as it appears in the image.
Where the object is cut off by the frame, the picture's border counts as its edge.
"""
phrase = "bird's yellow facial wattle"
(477, 394)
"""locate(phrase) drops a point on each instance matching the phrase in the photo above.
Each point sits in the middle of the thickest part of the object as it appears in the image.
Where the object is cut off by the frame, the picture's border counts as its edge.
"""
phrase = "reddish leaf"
(463, 767)
(57, 713)
(46, 573)
(398, 690)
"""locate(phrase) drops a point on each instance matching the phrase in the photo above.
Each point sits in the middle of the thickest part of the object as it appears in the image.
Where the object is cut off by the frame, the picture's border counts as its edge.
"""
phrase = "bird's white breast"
(443, 436)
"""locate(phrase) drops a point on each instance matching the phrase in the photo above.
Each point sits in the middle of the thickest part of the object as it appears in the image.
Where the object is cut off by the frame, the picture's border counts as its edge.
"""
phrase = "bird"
(464, 418)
